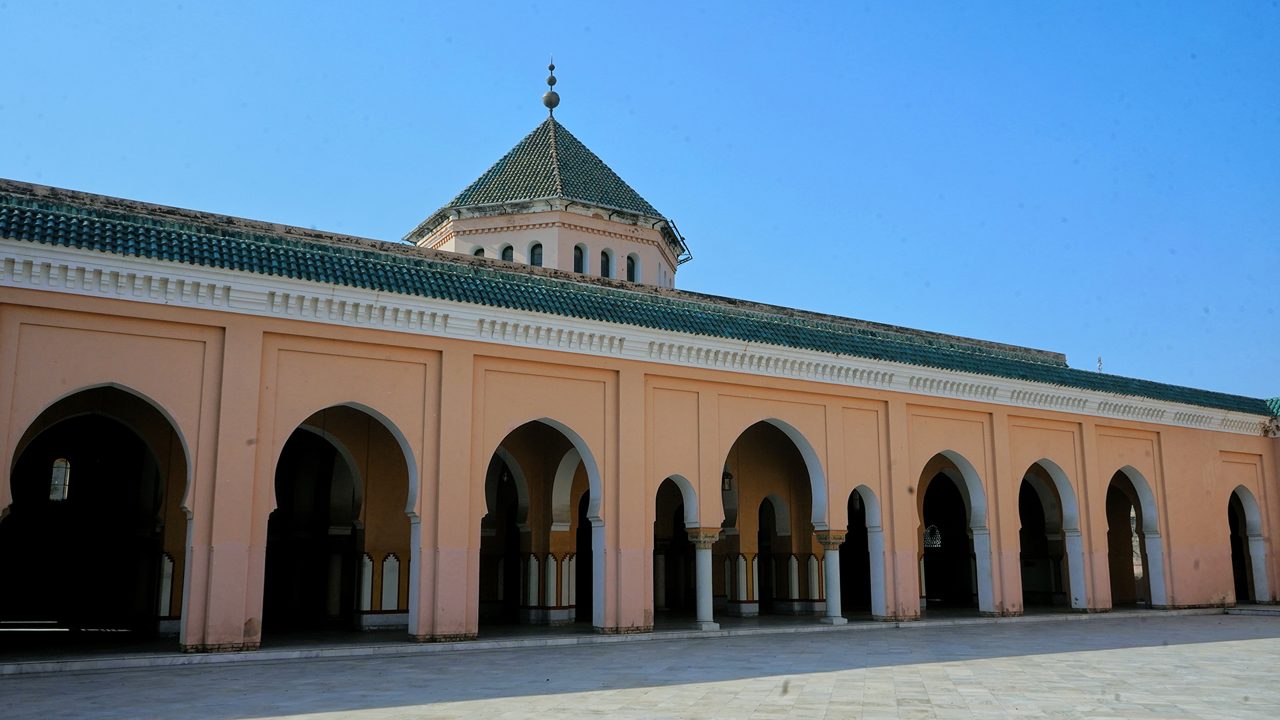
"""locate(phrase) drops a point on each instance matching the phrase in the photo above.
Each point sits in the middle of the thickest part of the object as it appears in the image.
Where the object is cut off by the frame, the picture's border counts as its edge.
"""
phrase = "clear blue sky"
(1097, 179)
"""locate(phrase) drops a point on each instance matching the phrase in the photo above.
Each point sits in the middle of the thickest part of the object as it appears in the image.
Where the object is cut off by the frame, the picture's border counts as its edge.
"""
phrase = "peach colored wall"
(235, 387)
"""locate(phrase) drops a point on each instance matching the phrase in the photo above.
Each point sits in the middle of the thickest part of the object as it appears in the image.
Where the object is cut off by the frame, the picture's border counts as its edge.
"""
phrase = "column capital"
(830, 539)
(703, 537)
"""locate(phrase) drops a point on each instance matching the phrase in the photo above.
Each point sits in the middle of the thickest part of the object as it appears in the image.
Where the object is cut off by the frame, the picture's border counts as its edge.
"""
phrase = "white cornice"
(95, 274)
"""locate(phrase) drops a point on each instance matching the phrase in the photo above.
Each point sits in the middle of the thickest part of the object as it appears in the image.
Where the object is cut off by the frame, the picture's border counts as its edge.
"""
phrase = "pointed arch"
(1153, 542)
(974, 495)
(1257, 543)
(817, 475)
(522, 488)
(689, 496)
(875, 550)
(1063, 499)
(37, 424)
(781, 514)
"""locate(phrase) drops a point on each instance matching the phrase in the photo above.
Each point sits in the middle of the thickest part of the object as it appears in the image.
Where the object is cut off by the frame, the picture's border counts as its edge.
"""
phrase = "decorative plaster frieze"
(524, 333)
(1048, 400)
(953, 388)
(90, 273)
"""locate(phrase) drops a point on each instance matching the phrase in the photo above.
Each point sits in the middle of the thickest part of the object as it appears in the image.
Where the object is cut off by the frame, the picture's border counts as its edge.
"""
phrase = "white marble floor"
(1121, 667)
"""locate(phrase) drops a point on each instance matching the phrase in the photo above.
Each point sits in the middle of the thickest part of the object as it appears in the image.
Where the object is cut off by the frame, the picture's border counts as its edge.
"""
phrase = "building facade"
(225, 429)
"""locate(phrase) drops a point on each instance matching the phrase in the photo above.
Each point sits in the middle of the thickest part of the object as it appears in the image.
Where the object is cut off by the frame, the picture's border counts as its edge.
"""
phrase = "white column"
(1155, 569)
(982, 569)
(1258, 558)
(1075, 569)
(742, 578)
(702, 542)
(875, 549)
(831, 575)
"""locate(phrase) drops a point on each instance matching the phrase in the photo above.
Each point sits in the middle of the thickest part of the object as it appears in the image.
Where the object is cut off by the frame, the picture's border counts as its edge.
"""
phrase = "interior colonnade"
(313, 484)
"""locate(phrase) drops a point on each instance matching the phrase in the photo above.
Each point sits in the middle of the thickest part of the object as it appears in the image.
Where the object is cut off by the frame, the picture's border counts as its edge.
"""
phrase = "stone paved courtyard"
(1164, 667)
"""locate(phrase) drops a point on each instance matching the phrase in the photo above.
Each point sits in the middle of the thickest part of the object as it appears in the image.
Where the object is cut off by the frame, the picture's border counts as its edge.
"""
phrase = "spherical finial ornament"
(550, 98)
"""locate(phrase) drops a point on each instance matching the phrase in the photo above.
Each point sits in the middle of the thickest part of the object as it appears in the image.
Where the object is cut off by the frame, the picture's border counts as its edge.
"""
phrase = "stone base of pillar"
(455, 637)
(629, 630)
(799, 607)
(833, 621)
(741, 608)
(706, 625)
(221, 647)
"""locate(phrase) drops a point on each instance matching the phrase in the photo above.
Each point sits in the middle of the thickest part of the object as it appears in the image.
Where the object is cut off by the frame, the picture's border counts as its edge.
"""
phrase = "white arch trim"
(562, 491)
(348, 460)
(1151, 533)
(817, 476)
(517, 477)
(1257, 543)
(173, 425)
(975, 500)
(1070, 509)
(595, 495)
(875, 550)
(690, 498)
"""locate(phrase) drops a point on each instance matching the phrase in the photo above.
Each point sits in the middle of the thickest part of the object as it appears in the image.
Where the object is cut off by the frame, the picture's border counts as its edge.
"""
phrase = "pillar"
(703, 539)
(831, 540)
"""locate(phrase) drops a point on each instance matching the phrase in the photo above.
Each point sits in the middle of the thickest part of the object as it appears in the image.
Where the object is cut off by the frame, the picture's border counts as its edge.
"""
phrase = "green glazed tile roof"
(120, 227)
(1274, 404)
(548, 163)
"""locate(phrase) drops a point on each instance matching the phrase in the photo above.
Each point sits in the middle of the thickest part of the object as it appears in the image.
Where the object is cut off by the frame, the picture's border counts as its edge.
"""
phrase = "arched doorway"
(1248, 548)
(768, 558)
(674, 576)
(538, 561)
(1135, 557)
(338, 550)
(94, 542)
(955, 545)
(855, 561)
(503, 543)
(1241, 566)
(1051, 546)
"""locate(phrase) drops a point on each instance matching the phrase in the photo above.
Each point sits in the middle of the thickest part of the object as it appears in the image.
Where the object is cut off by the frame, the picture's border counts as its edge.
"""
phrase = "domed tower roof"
(551, 166)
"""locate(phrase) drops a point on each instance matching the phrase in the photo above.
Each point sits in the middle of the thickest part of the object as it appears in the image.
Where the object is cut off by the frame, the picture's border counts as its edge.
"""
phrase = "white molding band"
(95, 274)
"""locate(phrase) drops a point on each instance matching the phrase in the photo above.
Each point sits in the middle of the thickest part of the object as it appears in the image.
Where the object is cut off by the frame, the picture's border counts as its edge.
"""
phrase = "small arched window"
(605, 266)
(579, 259)
(631, 268)
(60, 480)
(508, 253)
(535, 255)
(479, 252)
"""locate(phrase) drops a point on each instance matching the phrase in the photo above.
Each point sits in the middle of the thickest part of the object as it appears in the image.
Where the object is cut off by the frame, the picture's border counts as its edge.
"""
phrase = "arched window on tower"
(478, 252)
(631, 268)
(60, 480)
(508, 253)
(606, 267)
(579, 259)
(535, 255)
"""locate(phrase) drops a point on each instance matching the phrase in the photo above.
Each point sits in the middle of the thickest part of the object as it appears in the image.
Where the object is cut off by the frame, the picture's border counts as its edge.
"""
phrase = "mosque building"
(224, 430)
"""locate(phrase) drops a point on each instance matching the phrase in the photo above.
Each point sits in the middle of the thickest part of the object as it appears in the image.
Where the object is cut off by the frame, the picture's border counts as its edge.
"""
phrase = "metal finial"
(550, 98)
